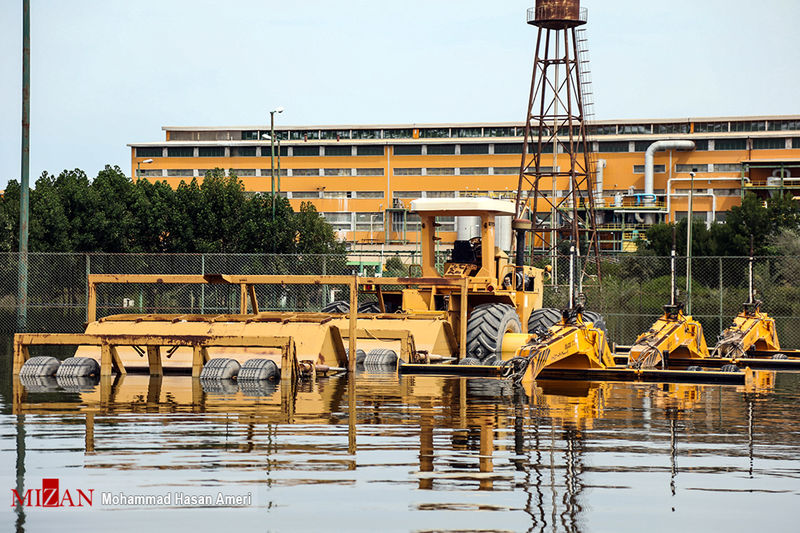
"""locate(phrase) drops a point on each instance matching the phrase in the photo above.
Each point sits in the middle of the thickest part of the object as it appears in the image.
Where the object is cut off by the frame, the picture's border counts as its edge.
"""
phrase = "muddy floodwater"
(408, 453)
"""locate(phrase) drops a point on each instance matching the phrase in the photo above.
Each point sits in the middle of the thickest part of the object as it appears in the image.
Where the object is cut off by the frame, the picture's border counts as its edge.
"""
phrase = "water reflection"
(416, 452)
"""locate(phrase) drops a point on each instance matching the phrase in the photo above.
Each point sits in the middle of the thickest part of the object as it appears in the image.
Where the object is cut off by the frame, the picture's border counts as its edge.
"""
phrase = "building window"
(266, 151)
(150, 173)
(434, 133)
(149, 152)
(338, 150)
(337, 172)
(749, 125)
(440, 194)
(506, 170)
(769, 144)
(727, 167)
(369, 194)
(474, 171)
(367, 221)
(784, 125)
(180, 151)
(369, 150)
(305, 194)
(441, 149)
(469, 132)
(441, 171)
(641, 146)
(406, 194)
(671, 128)
(369, 172)
(398, 134)
(509, 148)
(305, 172)
(710, 127)
(408, 149)
(304, 135)
(701, 145)
(339, 221)
(243, 172)
(499, 132)
(335, 134)
(250, 135)
(306, 151)
(366, 134)
(244, 151)
(211, 151)
(336, 195)
(408, 172)
(796, 142)
(609, 129)
(730, 144)
(657, 169)
(268, 172)
(180, 172)
(613, 146)
(691, 168)
(469, 149)
(635, 129)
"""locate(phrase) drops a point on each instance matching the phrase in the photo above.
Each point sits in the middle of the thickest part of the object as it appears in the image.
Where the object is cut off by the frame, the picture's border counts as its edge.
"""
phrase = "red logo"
(51, 496)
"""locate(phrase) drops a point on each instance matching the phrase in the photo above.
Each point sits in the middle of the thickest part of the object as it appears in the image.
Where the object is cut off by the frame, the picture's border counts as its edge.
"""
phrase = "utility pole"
(24, 194)
(689, 247)
(272, 155)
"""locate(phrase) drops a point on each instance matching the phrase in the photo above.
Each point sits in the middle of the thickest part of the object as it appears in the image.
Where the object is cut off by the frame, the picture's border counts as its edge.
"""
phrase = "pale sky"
(109, 72)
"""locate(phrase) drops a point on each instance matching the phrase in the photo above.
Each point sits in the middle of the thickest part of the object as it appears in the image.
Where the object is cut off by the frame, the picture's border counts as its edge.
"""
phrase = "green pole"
(24, 195)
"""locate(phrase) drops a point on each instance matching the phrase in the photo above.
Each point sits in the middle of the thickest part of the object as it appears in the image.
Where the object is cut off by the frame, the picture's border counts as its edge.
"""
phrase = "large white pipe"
(670, 194)
(649, 157)
(601, 164)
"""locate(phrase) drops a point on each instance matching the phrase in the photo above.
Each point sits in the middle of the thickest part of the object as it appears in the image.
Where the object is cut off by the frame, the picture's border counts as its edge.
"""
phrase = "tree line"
(774, 226)
(111, 213)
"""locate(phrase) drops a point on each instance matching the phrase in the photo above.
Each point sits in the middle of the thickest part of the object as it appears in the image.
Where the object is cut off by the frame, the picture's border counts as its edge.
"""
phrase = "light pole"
(689, 247)
(272, 151)
(139, 167)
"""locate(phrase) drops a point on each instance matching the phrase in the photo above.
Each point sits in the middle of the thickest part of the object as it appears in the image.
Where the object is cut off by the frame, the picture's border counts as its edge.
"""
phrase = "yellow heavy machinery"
(479, 305)
(672, 335)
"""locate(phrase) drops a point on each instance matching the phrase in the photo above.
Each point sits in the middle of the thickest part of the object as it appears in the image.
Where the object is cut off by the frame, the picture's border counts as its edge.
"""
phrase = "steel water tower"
(556, 169)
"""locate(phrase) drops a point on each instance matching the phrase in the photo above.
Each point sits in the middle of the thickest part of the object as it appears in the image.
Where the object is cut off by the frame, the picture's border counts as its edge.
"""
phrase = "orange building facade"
(363, 178)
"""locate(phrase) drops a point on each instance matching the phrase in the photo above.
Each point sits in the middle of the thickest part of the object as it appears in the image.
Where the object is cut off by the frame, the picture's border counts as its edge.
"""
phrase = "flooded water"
(408, 453)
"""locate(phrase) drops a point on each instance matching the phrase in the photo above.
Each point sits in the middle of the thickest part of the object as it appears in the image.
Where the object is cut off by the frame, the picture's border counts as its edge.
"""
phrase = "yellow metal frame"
(673, 332)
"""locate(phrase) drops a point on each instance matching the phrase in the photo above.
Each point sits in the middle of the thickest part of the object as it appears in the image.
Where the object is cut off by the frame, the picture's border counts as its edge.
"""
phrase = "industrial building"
(362, 178)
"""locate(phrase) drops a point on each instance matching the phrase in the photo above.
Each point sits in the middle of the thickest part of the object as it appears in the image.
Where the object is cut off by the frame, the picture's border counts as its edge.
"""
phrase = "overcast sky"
(109, 72)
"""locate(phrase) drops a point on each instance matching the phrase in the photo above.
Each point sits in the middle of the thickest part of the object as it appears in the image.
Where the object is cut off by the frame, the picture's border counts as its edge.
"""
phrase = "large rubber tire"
(343, 307)
(469, 361)
(730, 368)
(780, 356)
(486, 326)
(542, 319)
(337, 306)
(597, 319)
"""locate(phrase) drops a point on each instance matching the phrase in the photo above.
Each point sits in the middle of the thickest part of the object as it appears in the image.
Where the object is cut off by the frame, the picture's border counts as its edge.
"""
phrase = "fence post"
(325, 295)
(203, 286)
(720, 295)
(88, 272)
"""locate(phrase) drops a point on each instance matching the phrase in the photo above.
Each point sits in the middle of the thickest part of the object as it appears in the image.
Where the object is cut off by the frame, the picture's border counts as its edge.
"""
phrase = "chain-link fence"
(631, 295)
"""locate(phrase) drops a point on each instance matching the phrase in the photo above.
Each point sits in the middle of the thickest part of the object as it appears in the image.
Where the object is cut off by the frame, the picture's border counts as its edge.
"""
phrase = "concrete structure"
(363, 178)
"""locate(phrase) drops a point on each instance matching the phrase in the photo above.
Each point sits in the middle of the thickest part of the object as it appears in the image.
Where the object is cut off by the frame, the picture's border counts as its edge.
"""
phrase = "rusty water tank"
(557, 14)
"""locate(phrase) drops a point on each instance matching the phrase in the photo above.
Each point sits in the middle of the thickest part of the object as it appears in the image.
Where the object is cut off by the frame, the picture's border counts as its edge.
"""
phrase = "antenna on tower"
(555, 127)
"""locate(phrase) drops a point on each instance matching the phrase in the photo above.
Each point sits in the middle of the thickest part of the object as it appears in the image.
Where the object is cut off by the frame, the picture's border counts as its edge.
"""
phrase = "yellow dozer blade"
(672, 335)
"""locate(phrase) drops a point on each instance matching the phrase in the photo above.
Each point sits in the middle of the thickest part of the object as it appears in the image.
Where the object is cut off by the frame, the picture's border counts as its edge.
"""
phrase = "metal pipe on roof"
(649, 157)
(601, 164)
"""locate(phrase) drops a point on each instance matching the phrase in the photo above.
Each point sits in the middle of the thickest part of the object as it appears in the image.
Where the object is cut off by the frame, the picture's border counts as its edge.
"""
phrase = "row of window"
(453, 149)
(686, 168)
(489, 131)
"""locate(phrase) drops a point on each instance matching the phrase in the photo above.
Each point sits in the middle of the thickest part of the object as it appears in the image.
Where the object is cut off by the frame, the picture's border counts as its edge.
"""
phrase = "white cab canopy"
(463, 206)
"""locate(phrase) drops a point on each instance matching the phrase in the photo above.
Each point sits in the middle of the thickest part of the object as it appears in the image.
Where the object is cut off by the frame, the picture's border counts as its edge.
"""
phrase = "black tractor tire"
(337, 306)
(541, 319)
(343, 307)
(780, 356)
(694, 368)
(469, 361)
(486, 326)
(730, 368)
(596, 319)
